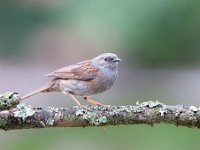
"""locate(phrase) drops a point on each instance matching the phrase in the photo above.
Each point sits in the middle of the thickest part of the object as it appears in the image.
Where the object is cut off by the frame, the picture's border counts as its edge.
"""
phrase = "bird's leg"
(78, 103)
(92, 101)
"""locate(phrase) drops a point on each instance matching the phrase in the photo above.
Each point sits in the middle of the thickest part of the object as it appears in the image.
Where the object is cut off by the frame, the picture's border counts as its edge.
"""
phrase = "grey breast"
(107, 80)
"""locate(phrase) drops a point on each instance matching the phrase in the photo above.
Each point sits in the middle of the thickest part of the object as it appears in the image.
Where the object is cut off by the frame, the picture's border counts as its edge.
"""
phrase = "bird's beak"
(117, 60)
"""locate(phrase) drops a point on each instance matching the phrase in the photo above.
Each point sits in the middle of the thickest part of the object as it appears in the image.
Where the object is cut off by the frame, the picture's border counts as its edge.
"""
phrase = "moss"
(9, 100)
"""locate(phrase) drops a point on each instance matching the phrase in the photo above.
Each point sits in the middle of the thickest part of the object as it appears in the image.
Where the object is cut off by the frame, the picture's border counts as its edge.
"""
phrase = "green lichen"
(92, 117)
(111, 110)
(23, 111)
(178, 110)
(162, 112)
(177, 113)
(105, 107)
(54, 114)
(79, 112)
(42, 124)
(193, 108)
(150, 104)
(198, 114)
(50, 122)
(2, 122)
(138, 109)
(125, 109)
(9, 100)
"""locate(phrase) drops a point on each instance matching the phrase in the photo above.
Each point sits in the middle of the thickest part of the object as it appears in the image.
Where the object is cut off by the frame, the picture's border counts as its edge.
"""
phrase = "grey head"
(106, 61)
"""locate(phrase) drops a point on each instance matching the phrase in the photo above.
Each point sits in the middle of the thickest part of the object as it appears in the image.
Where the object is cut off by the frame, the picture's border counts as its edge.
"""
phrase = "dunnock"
(83, 79)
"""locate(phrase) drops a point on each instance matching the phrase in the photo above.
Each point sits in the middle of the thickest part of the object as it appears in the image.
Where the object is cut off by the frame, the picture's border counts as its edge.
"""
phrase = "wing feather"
(80, 71)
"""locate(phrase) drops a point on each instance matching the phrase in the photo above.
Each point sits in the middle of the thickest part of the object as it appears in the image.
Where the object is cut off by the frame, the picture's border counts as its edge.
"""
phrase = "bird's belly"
(84, 88)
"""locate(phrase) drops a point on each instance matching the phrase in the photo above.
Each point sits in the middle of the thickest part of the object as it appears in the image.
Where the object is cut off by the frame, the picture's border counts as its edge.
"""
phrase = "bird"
(83, 79)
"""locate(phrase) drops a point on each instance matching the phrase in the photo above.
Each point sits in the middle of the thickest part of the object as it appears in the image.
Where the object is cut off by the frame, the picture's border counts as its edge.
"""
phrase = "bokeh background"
(158, 41)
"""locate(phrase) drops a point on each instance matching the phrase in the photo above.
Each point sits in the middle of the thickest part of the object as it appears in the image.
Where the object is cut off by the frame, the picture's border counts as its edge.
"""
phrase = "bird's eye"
(106, 59)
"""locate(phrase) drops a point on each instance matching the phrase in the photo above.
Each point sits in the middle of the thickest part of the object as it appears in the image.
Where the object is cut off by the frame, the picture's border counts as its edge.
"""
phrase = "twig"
(26, 117)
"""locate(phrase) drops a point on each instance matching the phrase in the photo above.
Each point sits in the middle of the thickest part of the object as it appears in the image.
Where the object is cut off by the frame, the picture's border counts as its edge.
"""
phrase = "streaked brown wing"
(81, 71)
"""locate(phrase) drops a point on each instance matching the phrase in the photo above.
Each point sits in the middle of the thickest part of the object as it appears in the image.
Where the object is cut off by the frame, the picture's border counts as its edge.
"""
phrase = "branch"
(26, 117)
(9, 100)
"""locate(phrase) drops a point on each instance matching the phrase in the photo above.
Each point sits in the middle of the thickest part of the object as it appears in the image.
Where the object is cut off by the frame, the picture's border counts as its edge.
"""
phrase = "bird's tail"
(44, 88)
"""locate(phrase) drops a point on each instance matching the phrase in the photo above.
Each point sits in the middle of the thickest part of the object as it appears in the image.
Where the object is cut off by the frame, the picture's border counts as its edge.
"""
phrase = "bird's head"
(108, 60)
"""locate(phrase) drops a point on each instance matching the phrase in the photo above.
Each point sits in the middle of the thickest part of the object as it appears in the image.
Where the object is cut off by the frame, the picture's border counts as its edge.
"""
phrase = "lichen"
(198, 114)
(150, 104)
(50, 122)
(2, 122)
(79, 112)
(93, 117)
(162, 112)
(54, 114)
(23, 111)
(9, 100)
(193, 108)
(42, 124)
(112, 110)
(138, 109)
(124, 109)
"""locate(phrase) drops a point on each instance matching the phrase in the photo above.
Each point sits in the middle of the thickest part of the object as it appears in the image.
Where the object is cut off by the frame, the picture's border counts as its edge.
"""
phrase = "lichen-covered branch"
(9, 100)
(25, 117)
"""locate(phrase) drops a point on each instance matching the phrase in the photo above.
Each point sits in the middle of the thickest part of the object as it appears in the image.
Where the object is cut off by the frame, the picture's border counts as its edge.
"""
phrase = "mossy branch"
(26, 117)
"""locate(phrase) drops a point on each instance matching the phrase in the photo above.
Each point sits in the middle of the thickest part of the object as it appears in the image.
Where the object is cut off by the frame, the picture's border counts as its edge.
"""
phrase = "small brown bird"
(83, 79)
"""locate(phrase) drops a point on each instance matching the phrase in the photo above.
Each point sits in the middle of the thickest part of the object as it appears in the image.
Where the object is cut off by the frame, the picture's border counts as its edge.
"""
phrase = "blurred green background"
(158, 41)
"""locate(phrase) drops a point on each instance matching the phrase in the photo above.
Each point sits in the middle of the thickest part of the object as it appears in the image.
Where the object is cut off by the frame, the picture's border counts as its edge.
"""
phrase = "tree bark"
(15, 115)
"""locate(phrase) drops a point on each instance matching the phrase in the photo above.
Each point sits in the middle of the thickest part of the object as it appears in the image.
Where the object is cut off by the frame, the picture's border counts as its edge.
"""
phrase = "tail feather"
(44, 88)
